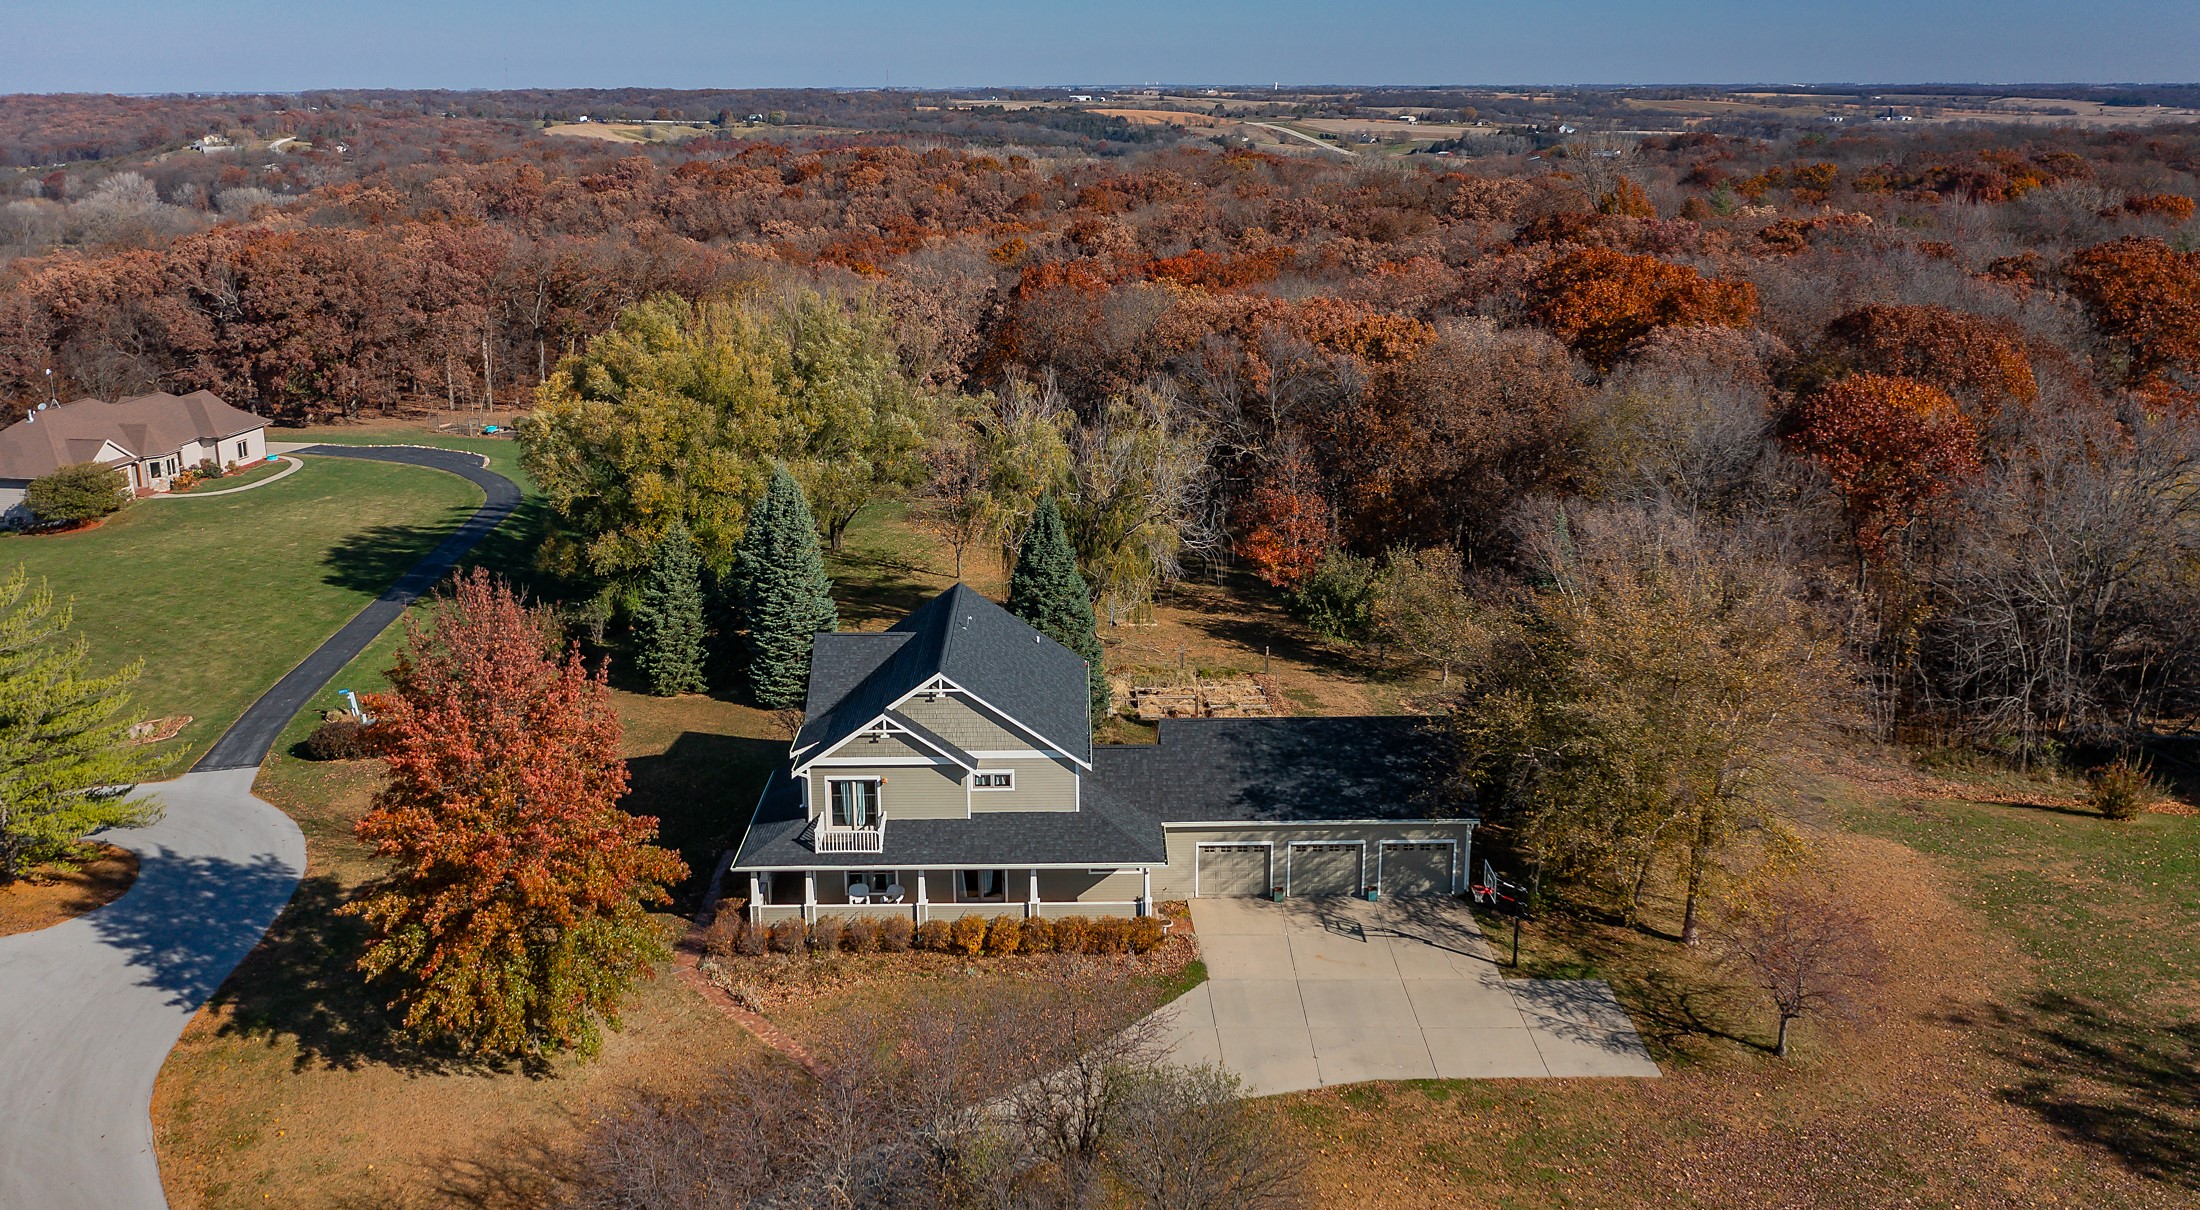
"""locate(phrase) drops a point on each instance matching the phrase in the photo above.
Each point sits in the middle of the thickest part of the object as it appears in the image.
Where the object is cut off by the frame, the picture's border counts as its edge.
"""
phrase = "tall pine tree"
(778, 582)
(668, 617)
(1046, 591)
(66, 764)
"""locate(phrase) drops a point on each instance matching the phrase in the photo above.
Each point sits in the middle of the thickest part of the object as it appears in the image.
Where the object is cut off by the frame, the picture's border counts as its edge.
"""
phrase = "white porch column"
(1145, 893)
(809, 896)
(921, 900)
(1031, 905)
(756, 895)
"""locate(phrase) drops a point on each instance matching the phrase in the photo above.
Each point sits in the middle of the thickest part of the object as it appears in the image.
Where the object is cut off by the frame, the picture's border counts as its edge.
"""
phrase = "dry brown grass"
(1913, 1106)
(48, 897)
(291, 1088)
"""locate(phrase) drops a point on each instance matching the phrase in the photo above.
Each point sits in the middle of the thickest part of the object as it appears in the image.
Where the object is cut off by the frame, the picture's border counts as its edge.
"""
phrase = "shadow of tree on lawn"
(702, 789)
(372, 559)
(302, 983)
(2104, 1075)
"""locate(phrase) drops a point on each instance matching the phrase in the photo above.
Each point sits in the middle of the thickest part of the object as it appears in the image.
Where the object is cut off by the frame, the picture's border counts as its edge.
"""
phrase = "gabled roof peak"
(976, 646)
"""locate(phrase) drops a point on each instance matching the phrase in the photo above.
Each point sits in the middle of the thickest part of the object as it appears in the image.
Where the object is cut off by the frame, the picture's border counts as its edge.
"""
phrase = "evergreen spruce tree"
(66, 763)
(668, 619)
(778, 582)
(1046, 591)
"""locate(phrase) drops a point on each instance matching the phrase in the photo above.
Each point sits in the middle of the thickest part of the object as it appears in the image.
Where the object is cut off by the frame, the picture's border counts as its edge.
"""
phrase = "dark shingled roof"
(1103, 833)
(961, 635)
(1276, 770)
(1240, 770)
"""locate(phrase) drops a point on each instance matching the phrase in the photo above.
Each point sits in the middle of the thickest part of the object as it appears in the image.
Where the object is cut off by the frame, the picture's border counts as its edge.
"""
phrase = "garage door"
(1233, 869)
(1325, 868)
(1416, 869)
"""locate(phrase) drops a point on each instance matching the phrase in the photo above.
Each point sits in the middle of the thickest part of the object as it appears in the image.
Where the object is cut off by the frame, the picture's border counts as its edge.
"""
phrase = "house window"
(242, 446)
(993, 781)
(983, 884)
(874, 881)
(855, 802)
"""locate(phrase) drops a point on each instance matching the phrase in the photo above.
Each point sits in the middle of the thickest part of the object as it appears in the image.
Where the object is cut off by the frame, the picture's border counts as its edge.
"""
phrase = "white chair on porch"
(893, 893)
(858, 893)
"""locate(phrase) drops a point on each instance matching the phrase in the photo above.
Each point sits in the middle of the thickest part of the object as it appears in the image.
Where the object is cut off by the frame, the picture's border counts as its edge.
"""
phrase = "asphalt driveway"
(1313, 992)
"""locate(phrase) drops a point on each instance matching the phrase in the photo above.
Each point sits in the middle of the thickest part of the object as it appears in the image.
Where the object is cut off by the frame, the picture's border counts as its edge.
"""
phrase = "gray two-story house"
(946, 767)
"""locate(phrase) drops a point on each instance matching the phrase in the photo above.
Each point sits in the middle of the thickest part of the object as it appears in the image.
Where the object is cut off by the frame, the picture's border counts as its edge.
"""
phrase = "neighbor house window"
(855, 802)
(242, 446)
(993, 781)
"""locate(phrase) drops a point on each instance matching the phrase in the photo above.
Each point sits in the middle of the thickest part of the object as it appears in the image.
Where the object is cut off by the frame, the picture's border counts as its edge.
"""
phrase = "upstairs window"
(854, 802)
(993, 781)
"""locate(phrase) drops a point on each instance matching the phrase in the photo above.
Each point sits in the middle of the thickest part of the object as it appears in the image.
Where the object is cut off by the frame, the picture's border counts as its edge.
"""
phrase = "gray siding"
(910, 792)
(1064, 885)
(1042, 784)
(964, 724)
(1174, 881)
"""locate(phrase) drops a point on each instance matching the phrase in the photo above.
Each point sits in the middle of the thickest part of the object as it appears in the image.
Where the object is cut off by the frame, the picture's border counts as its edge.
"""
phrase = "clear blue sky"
(181, 45)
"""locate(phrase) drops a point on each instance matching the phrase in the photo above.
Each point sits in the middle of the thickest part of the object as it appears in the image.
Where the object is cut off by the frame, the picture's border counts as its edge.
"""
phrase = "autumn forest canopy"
(1945, 378)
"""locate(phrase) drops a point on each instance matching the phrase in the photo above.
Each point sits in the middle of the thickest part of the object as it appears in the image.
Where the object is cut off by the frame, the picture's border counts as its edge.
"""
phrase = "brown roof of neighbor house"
(146, 426)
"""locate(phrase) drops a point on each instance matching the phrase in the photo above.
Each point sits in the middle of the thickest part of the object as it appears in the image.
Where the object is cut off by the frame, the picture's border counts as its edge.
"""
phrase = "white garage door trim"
(1204, 845)
(1453, 845)
(1359, 875)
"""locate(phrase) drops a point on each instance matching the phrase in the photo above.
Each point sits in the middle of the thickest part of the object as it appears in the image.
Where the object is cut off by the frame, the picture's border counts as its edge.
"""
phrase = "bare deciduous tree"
(1806, 949)
(1183, 1140)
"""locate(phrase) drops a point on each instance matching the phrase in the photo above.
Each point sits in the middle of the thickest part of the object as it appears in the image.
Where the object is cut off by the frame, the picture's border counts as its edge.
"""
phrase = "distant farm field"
(625, 132)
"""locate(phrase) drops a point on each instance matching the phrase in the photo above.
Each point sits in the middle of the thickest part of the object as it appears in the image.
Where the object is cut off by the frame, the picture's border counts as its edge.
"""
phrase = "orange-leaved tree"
(514, 916)
(1980, 361)
(2144, 296)
(1890, 445)
(1604, 303)
(1284, 524)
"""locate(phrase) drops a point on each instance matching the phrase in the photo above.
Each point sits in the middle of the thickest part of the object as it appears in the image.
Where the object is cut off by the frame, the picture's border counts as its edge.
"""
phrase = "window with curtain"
(855, 802)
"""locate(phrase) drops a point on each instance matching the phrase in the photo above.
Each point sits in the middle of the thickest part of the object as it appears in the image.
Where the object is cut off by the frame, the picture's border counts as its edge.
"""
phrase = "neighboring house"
(947, 765)
(151, 439)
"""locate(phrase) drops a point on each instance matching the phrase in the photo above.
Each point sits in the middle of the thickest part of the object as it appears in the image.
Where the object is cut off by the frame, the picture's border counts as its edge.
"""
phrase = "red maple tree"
(514, 916)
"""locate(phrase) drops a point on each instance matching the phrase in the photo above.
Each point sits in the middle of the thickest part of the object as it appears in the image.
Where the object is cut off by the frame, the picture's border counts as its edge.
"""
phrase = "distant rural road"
(1346, 152)
(89, 1008)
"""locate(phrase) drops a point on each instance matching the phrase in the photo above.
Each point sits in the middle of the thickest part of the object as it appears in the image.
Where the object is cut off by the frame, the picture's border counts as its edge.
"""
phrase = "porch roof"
(1102, 833)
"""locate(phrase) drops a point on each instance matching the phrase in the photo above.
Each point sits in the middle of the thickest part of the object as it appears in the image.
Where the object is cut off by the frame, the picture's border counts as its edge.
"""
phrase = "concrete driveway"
(90, 1007)
(1313, 992)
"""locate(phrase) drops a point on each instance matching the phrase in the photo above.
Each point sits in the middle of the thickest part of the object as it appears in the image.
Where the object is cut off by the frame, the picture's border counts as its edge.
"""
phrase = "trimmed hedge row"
(966, 935)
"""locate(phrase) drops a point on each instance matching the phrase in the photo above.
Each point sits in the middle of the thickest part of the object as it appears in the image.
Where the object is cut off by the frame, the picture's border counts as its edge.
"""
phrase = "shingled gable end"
(945, 767)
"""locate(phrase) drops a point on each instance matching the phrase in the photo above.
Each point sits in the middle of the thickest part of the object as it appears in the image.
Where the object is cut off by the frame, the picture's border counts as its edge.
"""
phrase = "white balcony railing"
(871, 839)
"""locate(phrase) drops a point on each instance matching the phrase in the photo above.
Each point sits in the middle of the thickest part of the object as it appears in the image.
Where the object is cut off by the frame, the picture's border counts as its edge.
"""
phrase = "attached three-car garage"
(1326, 863)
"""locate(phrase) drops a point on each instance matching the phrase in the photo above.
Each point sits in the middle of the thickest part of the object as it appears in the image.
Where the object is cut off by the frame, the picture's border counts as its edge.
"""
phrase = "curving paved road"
(90, 1008)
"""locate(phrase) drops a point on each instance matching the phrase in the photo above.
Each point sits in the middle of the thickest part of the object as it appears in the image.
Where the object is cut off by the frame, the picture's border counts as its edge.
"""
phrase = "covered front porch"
(947, 893)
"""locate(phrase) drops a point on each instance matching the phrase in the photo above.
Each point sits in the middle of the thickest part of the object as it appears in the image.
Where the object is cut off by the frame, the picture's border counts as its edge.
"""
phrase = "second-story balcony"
(871, 838)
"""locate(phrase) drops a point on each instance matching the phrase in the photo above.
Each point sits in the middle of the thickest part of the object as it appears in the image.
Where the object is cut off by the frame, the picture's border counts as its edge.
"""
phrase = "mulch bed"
(160, 730)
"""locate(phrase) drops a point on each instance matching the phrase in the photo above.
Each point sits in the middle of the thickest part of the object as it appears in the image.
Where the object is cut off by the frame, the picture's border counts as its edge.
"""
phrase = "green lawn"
(245, 478)
(510, 551)
(220, 597)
